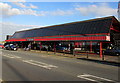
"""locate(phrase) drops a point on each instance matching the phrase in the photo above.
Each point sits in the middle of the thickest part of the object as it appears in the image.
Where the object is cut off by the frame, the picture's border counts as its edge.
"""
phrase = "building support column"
(40, 46)
(73, 51)
(80, 44)
(90, 46)
(54, 47)
(101, 54)
(22, 45)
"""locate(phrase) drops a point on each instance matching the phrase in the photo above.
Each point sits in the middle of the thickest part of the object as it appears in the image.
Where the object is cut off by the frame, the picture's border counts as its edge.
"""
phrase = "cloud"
(7, 10)
(17, 0)
(61, 12)
(22, 5)
(9, 28)
(98, 10)
(29, 12)
(33, 6)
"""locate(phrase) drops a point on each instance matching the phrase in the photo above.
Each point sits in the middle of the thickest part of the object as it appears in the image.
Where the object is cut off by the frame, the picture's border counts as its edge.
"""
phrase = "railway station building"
(82, 35)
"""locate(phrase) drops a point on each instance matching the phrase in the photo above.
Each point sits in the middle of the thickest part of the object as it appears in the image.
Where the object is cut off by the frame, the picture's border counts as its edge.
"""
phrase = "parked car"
(10, 47)
(114, 51)
(1, 46)
(97, 50)
(62, 49)
(44, 47)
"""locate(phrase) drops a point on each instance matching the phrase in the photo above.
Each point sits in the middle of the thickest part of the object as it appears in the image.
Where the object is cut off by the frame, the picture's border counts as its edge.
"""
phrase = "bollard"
(87, 54)
(103, 58)
(73, 53)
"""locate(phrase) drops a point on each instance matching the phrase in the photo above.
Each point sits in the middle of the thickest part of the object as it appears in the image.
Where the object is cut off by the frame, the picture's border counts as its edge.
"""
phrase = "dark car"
(114, 51)
(10, 47)
(62, 49)
(97, 51)
(46, 47)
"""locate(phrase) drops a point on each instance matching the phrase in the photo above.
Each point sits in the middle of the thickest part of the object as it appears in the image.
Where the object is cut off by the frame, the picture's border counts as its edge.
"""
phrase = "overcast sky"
(20, 15)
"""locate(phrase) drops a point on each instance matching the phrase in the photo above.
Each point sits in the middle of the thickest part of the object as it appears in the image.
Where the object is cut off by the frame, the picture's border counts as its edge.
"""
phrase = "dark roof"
(94, 26)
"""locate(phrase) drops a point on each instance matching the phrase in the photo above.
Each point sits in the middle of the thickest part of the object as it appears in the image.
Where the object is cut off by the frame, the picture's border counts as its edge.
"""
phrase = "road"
(34, 66)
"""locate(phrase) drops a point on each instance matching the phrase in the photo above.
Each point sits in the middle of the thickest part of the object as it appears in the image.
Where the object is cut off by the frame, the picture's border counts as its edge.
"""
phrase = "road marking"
(93, 78)
(86, 78)
(8, 56)
(33, 62)
(36, 64)
(17, 57)
(40, 64)
(44, 64)
(11, 56)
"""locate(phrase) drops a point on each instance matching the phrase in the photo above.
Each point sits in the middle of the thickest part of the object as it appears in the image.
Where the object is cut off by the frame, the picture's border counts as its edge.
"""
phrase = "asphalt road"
(33, 66)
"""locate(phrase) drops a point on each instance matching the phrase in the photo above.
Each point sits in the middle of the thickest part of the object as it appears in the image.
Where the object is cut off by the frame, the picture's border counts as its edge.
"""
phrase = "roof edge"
(69, 23)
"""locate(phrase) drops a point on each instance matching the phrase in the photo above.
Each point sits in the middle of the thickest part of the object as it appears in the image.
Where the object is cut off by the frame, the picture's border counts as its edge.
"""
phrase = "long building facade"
(87, 33)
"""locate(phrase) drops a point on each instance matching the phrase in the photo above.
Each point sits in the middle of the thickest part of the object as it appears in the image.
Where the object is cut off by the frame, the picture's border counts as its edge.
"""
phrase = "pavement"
(115, 60)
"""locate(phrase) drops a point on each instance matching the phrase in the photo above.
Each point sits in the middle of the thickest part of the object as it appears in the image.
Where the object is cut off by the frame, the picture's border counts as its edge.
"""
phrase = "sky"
(21, 15)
